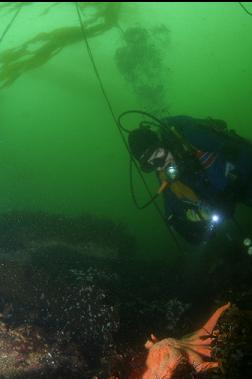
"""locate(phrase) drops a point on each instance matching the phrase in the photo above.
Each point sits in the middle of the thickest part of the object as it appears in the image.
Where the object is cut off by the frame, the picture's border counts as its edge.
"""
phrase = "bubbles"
(142, 61)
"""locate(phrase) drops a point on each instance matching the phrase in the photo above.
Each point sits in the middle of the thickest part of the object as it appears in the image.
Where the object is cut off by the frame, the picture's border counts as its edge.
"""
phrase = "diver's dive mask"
(153, 158)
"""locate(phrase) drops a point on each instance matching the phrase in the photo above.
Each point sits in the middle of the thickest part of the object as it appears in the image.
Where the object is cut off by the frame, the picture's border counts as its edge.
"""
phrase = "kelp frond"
(12, 7)
(40, 49)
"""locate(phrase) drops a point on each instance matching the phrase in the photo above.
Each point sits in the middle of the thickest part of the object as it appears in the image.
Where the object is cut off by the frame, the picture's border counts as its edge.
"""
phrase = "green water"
(60, 148)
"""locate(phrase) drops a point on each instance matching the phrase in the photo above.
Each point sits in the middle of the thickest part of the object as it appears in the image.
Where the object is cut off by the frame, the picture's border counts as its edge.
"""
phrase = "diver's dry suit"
(220, 176)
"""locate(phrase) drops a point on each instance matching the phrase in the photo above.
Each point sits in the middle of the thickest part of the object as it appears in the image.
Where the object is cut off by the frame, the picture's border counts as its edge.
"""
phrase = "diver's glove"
(200, 213)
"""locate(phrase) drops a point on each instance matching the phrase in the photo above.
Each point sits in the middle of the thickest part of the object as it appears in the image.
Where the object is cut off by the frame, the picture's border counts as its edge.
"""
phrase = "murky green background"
(60, 150)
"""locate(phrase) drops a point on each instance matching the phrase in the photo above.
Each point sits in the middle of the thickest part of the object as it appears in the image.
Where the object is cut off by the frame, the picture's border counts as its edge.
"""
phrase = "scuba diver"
(204, 169)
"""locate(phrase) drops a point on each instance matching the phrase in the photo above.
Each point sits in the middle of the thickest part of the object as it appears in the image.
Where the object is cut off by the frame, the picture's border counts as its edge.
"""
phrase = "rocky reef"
(76, 302)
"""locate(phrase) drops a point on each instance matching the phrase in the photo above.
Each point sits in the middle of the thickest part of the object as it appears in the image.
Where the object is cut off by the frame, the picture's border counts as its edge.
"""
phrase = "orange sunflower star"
(165, 356)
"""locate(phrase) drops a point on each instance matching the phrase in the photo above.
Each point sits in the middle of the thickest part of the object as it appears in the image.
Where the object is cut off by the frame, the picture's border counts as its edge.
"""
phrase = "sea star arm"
(210, 324)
